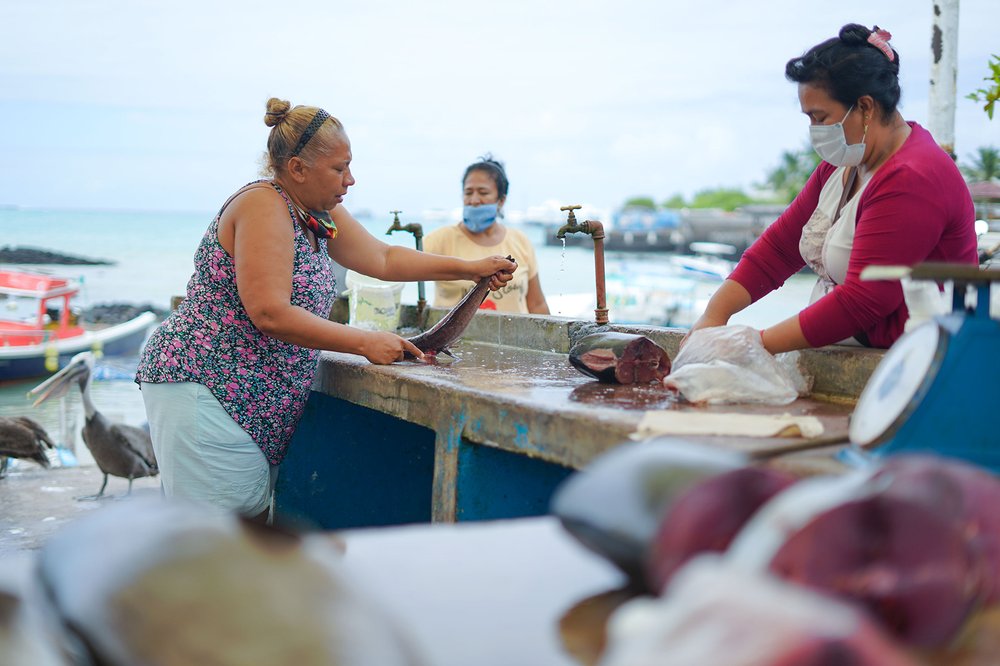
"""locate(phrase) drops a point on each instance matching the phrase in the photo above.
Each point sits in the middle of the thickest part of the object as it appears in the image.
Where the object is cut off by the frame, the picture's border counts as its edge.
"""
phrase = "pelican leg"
(99, 495)
(129, 487)
(4, 460)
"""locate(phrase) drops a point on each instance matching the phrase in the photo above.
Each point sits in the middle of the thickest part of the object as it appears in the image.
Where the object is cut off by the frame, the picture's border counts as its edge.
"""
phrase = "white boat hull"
(23, 361)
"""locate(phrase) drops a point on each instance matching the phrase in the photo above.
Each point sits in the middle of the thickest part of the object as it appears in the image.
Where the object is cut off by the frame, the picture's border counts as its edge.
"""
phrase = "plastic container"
(372, 304)
(924, 301)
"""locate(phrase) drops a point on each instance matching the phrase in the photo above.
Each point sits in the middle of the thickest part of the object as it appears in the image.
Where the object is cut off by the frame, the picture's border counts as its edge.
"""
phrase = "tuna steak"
(621, 358)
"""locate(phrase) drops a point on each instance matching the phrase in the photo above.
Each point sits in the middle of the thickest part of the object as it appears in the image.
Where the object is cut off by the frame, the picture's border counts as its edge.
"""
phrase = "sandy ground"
(35, 502)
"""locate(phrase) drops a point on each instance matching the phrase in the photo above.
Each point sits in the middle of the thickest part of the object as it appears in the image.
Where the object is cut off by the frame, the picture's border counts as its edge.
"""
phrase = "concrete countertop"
(508, 393)
(492, 434)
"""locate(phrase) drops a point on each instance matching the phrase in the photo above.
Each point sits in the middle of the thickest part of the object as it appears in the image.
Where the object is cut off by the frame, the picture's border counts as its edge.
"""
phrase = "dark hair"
(848, 67)
(494, 168)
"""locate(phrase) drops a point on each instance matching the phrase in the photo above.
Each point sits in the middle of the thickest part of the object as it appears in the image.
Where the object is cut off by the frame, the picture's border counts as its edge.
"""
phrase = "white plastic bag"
(728, 364)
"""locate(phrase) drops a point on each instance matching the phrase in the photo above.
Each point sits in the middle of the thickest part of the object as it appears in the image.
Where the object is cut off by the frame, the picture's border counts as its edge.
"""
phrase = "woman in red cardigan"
(884, 194)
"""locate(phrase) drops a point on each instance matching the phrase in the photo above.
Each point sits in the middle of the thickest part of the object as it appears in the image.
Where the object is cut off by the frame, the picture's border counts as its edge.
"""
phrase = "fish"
(25, 637)
(717, 613)
(620, 358)
(615, 505)
(438, 338)
(168, 583)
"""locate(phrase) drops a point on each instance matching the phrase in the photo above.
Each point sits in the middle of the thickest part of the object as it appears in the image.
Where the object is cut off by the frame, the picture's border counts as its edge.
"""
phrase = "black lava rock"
(32, 255)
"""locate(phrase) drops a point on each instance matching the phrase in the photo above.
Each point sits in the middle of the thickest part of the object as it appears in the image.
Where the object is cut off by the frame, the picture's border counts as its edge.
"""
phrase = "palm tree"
(983, 166)
(790, 176)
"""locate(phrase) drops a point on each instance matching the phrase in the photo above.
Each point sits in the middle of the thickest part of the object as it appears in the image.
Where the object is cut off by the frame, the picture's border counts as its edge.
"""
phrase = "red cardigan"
(916, 208)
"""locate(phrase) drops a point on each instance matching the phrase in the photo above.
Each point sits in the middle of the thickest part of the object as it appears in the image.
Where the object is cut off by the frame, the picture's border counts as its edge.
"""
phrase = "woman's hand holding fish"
(499, 269)
(382, 348)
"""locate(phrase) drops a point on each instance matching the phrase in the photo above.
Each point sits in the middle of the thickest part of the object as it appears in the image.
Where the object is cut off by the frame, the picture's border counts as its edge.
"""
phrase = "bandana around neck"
(319, 223)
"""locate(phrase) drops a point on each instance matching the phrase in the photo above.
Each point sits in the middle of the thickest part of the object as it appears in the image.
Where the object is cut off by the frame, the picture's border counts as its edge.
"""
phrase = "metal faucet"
(418, 235)
(596, 231)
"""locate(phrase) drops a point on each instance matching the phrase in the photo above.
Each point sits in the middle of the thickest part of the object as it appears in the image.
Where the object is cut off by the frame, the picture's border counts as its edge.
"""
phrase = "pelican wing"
(18, 440)
(35, 427)
(137, 441)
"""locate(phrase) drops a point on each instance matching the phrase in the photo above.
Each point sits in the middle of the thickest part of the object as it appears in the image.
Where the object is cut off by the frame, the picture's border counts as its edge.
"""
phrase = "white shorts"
(202, 453)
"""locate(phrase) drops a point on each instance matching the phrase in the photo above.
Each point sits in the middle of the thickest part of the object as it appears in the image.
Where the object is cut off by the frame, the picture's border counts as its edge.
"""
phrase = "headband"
(880, 40)
(310, 131)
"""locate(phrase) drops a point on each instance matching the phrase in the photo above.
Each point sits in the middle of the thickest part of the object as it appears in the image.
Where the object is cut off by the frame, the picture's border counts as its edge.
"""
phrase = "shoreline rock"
(32, 255)
(117, 313)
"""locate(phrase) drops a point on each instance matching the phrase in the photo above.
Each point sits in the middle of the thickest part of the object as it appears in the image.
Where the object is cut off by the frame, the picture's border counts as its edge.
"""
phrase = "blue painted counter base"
(351, 466)
(494, 484)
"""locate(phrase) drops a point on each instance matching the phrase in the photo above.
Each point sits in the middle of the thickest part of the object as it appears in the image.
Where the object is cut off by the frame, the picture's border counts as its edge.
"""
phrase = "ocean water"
(152, 256)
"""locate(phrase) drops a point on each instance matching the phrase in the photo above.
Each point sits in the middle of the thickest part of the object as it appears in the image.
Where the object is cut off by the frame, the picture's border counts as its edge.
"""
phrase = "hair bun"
(277, 109)
(489, 159)
(854, 34)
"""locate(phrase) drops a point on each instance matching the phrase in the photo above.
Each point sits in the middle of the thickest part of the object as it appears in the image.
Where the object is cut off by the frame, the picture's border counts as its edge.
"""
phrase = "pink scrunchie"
(880, 40)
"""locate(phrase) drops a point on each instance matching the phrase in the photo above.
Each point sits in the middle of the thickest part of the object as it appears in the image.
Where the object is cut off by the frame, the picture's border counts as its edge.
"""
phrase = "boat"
(40, 332)
(670, 293)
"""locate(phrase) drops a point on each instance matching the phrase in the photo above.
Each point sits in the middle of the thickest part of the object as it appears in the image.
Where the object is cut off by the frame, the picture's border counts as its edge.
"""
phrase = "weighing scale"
(937, 389)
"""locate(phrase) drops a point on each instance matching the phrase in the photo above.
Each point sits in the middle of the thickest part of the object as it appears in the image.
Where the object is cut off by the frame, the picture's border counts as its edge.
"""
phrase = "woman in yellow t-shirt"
(480, 234)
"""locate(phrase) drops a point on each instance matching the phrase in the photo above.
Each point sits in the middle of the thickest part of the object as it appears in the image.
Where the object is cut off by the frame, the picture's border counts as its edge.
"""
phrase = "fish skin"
(438, 338)
(620, 358)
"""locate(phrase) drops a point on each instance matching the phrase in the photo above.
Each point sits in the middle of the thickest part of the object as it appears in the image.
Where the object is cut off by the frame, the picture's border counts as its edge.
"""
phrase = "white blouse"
(826, 242)
(826, 245)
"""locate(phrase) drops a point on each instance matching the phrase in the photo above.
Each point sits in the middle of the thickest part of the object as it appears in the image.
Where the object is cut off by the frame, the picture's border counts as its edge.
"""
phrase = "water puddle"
(544, 378)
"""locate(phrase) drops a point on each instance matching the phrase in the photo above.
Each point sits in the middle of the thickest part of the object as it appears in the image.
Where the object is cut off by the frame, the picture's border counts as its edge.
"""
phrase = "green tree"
(984, 165)
(721, 197)
(641, 202)
(676, 201)
(990, 94)
(790, 176)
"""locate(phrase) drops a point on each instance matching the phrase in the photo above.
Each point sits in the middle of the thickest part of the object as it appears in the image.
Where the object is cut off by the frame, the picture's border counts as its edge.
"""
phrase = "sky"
(129, 104)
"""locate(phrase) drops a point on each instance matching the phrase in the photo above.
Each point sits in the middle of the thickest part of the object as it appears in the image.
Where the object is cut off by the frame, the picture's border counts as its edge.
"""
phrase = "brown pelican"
(118, 449)
(20, 437)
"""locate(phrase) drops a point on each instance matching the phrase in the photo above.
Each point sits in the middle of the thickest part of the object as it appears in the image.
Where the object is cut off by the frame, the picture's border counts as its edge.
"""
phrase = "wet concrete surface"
(534, 402)
(35, 502)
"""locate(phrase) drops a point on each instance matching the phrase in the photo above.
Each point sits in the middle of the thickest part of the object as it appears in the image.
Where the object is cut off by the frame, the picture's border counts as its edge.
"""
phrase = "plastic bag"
(715, 613)
(728, 364)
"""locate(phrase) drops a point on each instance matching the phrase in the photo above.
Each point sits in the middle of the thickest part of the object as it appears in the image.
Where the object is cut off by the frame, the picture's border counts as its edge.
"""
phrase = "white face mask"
(831, 144)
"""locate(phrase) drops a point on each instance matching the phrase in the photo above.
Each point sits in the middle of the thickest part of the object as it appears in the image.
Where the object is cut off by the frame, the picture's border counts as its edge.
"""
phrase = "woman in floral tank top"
(226, 376)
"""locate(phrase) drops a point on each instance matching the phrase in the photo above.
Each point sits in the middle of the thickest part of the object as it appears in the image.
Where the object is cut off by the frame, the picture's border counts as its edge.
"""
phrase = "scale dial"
(898, 385)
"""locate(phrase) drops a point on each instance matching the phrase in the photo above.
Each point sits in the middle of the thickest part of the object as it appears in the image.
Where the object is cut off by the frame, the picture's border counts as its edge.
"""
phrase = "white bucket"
(372, 304)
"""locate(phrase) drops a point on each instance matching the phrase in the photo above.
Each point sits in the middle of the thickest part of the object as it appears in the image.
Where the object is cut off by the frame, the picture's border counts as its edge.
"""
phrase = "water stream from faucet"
(562, 269)
(496, 358)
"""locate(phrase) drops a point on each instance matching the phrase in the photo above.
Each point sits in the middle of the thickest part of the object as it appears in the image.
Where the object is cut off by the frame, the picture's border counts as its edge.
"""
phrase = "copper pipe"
(597, 231)
(418, 236)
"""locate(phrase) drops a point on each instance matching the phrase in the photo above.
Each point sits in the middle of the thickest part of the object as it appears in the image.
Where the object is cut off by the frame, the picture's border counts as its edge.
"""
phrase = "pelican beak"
(60, 383)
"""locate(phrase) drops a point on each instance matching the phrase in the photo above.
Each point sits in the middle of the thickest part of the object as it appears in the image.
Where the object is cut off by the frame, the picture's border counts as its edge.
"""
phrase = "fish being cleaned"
(620, 358)
(437, 339)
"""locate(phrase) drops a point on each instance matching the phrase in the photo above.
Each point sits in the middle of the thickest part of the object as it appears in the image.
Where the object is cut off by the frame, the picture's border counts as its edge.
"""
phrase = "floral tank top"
(262, 382)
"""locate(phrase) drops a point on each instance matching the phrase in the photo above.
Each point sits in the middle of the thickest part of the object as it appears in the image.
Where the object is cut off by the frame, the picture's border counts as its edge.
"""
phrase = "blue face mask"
(479, 218)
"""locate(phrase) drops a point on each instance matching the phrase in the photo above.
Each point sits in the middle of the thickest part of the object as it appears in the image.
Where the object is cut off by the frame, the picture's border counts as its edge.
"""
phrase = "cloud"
(109, 99)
